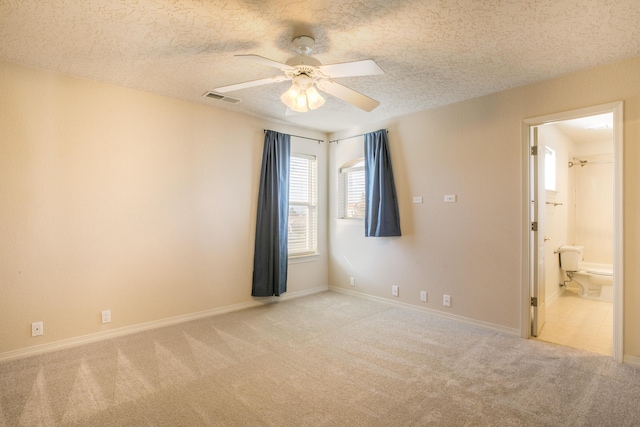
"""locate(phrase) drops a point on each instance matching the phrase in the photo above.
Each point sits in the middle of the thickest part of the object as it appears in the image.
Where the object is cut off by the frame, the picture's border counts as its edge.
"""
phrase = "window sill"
(298, 259)
(352, 222)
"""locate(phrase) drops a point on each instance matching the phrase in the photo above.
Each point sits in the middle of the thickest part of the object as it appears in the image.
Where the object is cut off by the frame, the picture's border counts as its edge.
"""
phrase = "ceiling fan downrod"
(303, 44)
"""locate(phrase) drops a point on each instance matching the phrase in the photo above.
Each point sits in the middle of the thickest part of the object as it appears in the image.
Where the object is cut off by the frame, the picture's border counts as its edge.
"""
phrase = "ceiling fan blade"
(349, 95)
(264, 61)
(252, 83)
(366, 67)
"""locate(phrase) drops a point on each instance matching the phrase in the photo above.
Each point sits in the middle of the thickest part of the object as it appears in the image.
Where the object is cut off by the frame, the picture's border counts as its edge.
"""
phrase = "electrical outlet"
(423, 296)
(446, 300)
(37, 329)
(394, 291)
(106, 316)
(352, 281)
(450, 198)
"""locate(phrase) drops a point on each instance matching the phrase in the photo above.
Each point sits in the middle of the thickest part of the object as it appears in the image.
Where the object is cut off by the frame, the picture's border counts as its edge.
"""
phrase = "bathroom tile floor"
(579, 323)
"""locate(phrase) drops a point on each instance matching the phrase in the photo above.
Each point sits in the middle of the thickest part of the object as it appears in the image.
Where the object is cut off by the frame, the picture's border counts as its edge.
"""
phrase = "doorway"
(547, 290)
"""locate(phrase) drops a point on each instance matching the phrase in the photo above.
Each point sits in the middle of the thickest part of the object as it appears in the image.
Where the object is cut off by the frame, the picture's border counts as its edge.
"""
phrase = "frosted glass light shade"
(301, 100)
(314, 98)
(301, 103)
(290, 97)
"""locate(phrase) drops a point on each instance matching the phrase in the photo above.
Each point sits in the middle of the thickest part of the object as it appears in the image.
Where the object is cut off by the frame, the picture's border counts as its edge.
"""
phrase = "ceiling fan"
(306, 73)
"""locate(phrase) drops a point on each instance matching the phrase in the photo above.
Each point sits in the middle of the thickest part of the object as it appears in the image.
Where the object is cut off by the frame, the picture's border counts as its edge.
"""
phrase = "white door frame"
(538, 239)
(618, 248)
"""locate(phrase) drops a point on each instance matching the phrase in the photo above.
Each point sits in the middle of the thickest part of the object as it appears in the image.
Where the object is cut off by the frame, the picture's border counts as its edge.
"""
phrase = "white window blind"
(352, 199)
(302, 205)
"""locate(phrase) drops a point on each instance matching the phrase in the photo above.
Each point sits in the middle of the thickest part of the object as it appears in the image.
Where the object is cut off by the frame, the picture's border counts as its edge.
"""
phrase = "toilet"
(594, 280)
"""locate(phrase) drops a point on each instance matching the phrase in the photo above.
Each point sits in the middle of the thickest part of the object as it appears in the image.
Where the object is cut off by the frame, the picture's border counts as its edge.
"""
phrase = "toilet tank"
(570, 257)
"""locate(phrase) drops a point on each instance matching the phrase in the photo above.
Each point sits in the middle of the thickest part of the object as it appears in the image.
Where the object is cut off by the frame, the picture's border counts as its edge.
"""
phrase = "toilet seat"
(598, 271)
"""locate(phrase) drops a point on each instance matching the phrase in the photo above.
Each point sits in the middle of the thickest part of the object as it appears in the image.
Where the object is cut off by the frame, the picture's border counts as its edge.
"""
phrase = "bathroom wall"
(583, 210)
(593, 218)
(557, 228)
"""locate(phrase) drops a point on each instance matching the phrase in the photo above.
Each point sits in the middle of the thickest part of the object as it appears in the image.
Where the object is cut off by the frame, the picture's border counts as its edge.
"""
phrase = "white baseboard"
(297, 294)
(554, 296)
(127, 330)
(461, 319)
(632, 361)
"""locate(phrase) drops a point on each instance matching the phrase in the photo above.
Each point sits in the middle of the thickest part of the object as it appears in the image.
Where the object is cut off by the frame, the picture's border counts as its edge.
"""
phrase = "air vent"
(219, 97)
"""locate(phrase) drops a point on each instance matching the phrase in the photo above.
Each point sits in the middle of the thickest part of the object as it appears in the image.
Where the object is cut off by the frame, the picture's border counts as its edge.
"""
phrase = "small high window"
(549, 169)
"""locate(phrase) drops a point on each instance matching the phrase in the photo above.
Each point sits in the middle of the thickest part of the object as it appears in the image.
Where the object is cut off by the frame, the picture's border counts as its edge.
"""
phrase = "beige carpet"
(324, 360)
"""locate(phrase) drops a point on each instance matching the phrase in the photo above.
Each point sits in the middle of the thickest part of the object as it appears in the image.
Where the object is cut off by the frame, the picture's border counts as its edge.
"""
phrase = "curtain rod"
(349, 137)
(303, 137)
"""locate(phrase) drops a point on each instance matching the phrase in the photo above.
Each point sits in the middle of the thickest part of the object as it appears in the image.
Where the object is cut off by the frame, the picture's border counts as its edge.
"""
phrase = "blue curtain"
(381, 217)
(270, 256)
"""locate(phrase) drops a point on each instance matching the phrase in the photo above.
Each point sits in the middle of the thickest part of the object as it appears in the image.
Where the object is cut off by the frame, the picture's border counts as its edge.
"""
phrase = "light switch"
(450, 198)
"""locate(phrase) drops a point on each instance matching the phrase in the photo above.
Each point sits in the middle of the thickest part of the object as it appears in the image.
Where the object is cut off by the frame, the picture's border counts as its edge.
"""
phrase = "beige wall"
(472, 249)
(116, 199)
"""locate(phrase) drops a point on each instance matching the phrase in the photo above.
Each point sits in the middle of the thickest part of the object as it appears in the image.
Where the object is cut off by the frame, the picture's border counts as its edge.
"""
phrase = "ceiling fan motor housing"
(303, 60)
(303, 81)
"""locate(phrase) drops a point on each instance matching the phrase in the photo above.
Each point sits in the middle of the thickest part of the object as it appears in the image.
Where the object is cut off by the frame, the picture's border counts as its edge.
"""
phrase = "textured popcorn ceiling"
(434, 52)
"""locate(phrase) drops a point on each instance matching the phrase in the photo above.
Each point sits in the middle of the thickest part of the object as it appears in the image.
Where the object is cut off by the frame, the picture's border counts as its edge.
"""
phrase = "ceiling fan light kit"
(307, 73)
(302, 96)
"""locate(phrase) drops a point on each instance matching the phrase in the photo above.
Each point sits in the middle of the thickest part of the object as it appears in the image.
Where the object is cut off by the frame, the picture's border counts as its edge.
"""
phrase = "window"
(352, 203)
(302, 205)
(549, 169)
